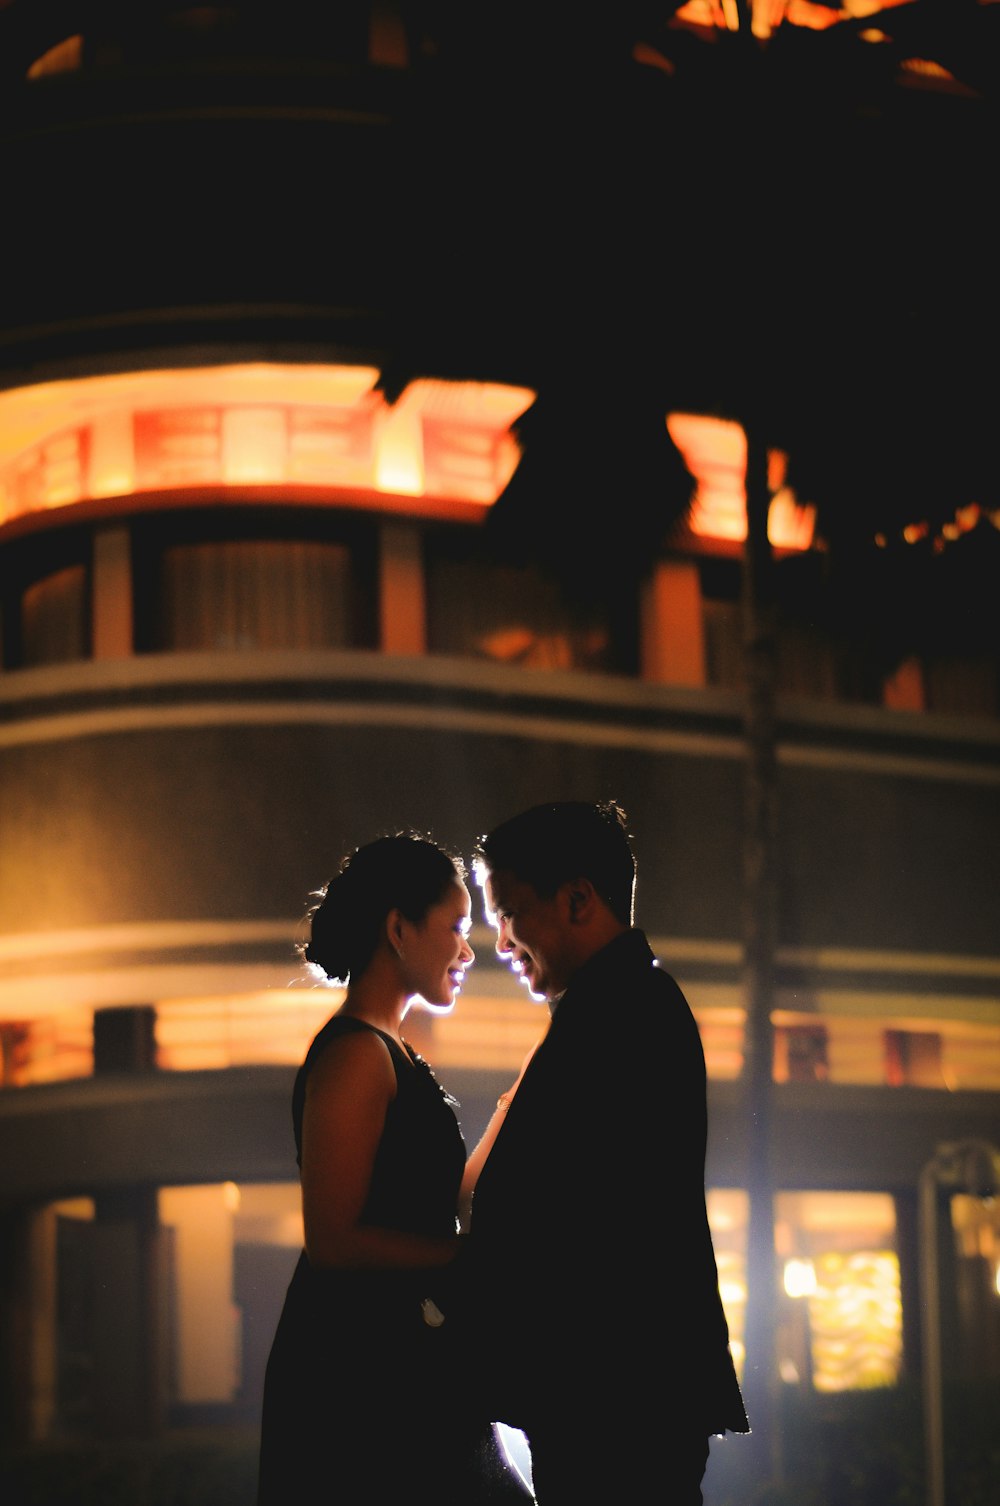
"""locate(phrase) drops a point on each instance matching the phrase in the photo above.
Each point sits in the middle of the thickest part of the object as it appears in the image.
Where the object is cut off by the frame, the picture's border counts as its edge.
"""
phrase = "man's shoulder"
(627, 963)
(660, 977)
(644, 964)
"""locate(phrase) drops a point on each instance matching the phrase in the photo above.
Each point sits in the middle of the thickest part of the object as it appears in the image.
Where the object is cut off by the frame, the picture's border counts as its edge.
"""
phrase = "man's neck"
(607, 936)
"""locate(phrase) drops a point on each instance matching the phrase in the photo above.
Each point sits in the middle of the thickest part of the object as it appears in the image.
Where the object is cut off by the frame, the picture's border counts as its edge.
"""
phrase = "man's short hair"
(551, 844)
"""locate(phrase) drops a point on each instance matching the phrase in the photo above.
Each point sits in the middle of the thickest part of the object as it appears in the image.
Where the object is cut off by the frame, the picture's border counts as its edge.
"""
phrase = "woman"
(362, 1401)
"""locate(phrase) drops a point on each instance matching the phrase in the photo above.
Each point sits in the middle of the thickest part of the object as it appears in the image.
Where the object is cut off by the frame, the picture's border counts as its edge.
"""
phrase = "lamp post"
(973, 1167)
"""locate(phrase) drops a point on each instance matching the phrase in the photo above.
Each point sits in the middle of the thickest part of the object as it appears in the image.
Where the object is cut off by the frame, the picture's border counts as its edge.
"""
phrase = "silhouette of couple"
(558, 1285)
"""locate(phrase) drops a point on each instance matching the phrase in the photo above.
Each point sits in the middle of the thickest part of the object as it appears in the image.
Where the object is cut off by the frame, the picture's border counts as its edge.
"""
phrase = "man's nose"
(503, 946)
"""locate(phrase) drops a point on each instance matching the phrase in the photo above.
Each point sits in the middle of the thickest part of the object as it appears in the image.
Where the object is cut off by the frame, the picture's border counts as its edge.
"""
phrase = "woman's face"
(436, 950)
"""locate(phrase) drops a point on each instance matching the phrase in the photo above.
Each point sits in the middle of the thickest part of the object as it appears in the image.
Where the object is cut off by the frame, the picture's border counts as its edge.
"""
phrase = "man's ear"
(581, 897)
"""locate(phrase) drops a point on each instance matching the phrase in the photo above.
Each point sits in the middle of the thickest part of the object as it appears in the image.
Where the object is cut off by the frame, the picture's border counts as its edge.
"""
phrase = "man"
(601, 1332)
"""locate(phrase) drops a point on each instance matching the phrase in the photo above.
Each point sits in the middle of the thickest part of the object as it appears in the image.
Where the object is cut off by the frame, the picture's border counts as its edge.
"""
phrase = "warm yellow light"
(254, 446)
(715, 452)
(451, 439)
(789, 525)
(968, 517)
(255, 425)
(112, 482)
(855, 1318)
(266, 424)
(768, 15)
(727, 1206)
(800, 1278)
(399, 465)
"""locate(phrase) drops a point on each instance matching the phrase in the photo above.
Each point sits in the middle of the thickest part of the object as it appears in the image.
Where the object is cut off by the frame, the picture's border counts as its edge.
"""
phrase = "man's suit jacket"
(589, 1261)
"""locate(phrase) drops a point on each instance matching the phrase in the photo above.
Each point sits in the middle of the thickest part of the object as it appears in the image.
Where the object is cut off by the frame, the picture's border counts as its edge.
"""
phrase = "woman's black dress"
(363, 1402)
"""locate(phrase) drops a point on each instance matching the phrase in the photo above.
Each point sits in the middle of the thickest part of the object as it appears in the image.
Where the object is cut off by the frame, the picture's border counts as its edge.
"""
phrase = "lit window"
(800, 1053)
(913, 1059)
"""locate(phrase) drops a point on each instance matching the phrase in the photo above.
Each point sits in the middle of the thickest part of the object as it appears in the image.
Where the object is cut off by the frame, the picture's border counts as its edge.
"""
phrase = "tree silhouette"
(789, 231)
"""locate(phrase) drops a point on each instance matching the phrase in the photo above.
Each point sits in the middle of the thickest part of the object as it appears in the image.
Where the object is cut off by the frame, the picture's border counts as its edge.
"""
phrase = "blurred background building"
(266, 361)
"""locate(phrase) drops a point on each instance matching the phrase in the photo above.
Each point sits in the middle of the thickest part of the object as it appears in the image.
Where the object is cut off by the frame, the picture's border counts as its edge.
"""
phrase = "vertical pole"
(930, 1277)
(129, 1292)
(971, 1166)
(759, 929)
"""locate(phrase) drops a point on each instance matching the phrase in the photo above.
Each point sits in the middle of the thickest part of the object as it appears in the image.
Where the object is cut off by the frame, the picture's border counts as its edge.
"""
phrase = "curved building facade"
(251, 617)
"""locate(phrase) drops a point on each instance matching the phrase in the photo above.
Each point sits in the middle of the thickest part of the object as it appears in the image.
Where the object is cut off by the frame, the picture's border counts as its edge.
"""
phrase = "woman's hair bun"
(404, 871)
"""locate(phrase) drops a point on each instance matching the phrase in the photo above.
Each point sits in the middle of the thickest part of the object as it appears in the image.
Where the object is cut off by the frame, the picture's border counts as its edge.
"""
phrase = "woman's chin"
(433, 1006)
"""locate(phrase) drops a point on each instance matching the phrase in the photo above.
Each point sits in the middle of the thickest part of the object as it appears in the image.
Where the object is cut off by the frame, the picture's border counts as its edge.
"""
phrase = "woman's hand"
(477, 1160)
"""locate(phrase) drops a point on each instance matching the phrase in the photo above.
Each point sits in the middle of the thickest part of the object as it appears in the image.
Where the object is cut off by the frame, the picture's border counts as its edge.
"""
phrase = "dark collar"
(628, 951)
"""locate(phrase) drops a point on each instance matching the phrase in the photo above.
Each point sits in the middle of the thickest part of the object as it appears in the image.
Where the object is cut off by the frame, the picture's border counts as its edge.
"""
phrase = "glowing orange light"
(254, 445)
(326, 427)
(767, 15)
(715, 452)
(254, 425)
(398, 459)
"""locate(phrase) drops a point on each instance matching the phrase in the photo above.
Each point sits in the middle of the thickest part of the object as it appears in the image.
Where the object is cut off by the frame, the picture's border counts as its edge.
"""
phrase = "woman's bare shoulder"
(357, 1051)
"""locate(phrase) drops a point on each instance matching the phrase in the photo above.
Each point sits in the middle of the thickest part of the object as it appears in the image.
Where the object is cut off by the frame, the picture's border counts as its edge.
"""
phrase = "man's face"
(534, 933)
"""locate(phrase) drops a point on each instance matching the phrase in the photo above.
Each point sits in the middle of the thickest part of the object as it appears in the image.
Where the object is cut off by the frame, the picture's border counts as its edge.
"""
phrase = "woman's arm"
(348, 1093)
(477, 1157)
